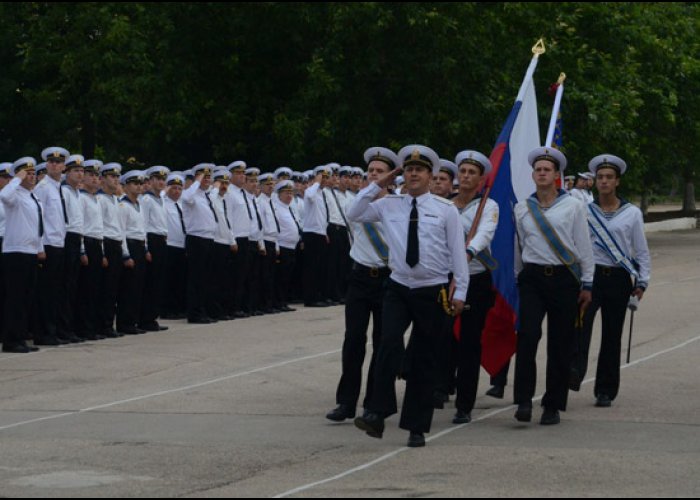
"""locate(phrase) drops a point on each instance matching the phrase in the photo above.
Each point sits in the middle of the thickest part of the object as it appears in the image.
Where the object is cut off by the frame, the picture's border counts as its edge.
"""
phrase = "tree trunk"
(645, 203)
(689, 198)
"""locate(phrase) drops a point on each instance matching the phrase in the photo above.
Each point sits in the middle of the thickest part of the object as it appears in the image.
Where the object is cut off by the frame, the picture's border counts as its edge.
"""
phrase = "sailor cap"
(608, 161)
(474, 158)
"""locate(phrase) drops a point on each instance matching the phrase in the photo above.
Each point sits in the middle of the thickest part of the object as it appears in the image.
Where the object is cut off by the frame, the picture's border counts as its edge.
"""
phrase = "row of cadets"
(426, 243)
(201, 224)
(241, 217)
(583, 186)
(316, 240)
(270, 235)
(288, 241)
(135, 252)
(622, 270)
(256, 244)
(51, 276)
(22, 251)
(175, 299)
(223, 248)
(370, 257)
(474, 167)
(113, 245)
(156, 219)
(555, 279)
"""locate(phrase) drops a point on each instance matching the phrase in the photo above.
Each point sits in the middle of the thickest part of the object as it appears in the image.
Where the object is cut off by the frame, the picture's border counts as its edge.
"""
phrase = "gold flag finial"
(539, 48)
(562, 77)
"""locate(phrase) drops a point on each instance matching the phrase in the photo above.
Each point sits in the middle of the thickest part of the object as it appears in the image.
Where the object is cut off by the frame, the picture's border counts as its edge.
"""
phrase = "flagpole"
(537, 50)
(555, 110)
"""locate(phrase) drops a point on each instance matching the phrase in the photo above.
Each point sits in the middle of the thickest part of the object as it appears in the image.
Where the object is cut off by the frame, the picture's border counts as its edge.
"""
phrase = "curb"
(683, 224)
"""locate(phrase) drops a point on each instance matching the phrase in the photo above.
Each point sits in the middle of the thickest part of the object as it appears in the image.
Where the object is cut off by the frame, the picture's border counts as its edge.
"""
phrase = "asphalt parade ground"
(237, 410)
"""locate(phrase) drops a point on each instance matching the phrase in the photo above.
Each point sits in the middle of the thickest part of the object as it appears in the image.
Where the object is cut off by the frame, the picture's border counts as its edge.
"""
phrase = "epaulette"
(442, 200)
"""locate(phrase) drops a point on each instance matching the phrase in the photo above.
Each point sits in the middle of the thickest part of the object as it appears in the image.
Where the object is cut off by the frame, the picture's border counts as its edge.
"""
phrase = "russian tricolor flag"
(510, 182)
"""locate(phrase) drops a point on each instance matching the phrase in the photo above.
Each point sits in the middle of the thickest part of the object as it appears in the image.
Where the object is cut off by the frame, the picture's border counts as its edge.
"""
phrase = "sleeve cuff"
(587, 286)
(471, 251)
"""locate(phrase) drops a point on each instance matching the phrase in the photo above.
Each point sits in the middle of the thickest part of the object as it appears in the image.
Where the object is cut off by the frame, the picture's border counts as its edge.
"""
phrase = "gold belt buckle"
(549, 271)
(373, 272)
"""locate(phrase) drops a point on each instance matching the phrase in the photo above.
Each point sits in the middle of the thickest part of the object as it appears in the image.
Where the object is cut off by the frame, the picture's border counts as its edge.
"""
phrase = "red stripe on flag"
(499, 340)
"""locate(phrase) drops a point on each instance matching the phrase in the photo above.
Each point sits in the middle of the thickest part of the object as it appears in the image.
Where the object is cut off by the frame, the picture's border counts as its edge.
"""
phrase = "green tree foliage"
(303, 84)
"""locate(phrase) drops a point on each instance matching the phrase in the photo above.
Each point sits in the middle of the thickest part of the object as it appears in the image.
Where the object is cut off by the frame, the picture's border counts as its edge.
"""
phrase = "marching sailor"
(622, 270)
(473, 168)
(426, 242)
(370, 255)
(556, 280)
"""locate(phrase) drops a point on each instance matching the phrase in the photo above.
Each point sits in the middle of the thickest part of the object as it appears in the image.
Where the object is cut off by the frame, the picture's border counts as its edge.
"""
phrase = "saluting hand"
(388, 179)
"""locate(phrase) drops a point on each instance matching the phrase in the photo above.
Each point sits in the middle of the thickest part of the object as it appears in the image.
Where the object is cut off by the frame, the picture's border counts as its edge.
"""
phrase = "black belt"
(157, 236)
(374, 272)
(88, 239)
(136, 242)
(610, 271)
(547, 270)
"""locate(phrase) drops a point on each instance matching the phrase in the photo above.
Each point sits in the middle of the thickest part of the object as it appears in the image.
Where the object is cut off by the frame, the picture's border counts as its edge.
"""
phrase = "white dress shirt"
(440, 236)
(315, 211)
(256, 223)
(109, 204)
(269, 219)
(238, 212)
(290, 231)
(298, 209)
(48, 191)
(133, 224)
(224, 234)
(92, 216)
(336, 210)
(176, 223)
(363, 251)
(74, 209)
(23, 226)
(627, 227)
(198, 212)
(568, 218)
(484, 235)
(153, 208)
(2, 220)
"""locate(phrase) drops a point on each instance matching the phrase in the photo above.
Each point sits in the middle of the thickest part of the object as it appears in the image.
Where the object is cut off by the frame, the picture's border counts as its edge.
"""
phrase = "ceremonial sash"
(607, 242)
(375, 238)
(487, 260)
(565, 255)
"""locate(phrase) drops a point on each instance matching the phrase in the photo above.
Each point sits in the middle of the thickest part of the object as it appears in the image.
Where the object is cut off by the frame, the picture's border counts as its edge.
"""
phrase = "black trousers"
(68, 299)
(131, 287)
(283, 275)
(20, 282)
(155, 279)
(401, 307)
(338, 251)
(87, 310)
(175, 292)
(364, 299)
(612, 289)
(220, 268)
(479, 300)
(199, 251)
(552, 291)
(254, 272)
(48, 291)
(316, 250)
(501, 378)
(240, 261)
(111, 275)
(268, 299)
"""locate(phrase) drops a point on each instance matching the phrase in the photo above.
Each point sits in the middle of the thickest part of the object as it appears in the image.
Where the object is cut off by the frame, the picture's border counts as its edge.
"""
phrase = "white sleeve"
(364, 208)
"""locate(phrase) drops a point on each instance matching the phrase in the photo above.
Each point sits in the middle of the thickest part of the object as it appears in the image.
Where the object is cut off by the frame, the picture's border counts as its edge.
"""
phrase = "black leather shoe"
(438, 401)
(574, 381)
(17, 349)
(48, 342)
(416, 440)
(462, 417)
(550, 417)
(372, 424)
(603, 401)
(524, 413)
(341, 413)
(317, 304)
(241, 315)
(200, 321)
(153, 327)
(496, 391)
(287, 309)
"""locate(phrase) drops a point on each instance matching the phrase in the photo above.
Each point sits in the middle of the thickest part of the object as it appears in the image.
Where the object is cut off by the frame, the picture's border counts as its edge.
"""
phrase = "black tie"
(325, 202)
(295, 220)
(412, 252)
(226, 215)
(247, 205)
(212, 207)
(257, 214)
(41, 217)
(182, 219)
(274, 214)
(63, 204)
